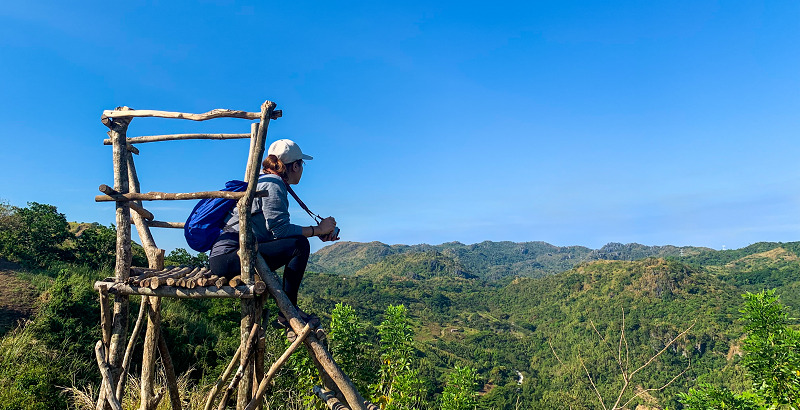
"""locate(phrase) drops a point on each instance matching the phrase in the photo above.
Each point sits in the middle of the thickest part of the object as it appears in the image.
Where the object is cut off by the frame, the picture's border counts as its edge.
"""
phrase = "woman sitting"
(280, 242)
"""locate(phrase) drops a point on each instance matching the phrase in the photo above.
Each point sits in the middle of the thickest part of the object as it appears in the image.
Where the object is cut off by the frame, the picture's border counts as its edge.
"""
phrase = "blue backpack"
(207, 219)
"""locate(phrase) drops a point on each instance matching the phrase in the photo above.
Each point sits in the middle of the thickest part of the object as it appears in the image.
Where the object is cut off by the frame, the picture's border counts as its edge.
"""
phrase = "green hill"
(488, 260)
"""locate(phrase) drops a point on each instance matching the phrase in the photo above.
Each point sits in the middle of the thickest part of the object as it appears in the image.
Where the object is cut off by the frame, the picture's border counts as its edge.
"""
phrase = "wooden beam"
(169, 372)
(329, 399)
(129, 350)
(107, 394)
(162, 224)
(315, 347)
(247, 351)
(221, 380)
(239, 292)
(155, 258)
(163, 196)
(264, 385)
(217, 113)
(177, 137)
(111, 192)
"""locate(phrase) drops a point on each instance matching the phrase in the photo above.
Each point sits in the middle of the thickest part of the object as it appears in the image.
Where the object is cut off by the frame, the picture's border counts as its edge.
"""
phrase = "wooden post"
(169, 371)
(253, 134)
(264, 385)
(222, 378)
(149, 353)
(244, 367)
(105, 372)
(120, 392)
(117, 132)
(250, 311)
(105, 319)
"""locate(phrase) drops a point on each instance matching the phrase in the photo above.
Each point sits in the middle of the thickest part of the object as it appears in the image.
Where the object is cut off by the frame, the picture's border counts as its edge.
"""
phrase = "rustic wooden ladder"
(113, 352)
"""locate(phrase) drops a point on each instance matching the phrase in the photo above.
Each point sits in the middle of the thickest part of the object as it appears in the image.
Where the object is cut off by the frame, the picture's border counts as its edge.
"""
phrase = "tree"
(400, 386)
(34, 234)
(180, 256)
(772, 350)
(350, 347)
(772, 358)
(96, 246)
(460, 391)
(621, 355)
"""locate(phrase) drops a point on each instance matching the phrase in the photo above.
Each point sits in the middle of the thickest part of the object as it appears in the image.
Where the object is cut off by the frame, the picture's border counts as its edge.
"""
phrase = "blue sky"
(574, 123)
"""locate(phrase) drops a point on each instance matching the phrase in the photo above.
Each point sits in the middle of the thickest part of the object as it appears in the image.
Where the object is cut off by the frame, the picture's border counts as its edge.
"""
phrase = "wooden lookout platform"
(252, 378)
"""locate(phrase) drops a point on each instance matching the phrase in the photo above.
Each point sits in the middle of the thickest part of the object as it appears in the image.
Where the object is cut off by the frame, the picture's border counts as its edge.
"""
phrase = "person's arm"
(324, 228)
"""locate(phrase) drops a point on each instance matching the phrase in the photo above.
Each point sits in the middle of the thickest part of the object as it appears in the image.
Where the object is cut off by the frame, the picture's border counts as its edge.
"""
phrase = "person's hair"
(273, 165)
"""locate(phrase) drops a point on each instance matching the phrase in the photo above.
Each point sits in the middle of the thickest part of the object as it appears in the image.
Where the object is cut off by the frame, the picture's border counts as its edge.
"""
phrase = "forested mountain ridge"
(534, 342)
(544, 327)
(488, 260)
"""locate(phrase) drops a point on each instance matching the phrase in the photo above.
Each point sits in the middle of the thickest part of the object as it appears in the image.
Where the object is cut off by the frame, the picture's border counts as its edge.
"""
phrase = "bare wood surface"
(247, 351)
(207, 280)
(118, 129)
(129, 350)
(315, 347)
(240, 292)
(128, 147)
(148, 243)
(259, 286)
(235, 281)
(258, 365)
(162, 224)
(166, 196)
(250, 311)
(112, 193)
(169, 371)
(107, 393)
(329, 399)
(149, 353)
(105, 319)
(147, 274)
(181, 275)
(253, 133)
(161, 280)
(264, 385)
(177, 137)
(216, 113)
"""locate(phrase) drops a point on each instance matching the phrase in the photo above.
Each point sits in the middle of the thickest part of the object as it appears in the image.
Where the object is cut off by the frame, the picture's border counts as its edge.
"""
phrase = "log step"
(182, 282)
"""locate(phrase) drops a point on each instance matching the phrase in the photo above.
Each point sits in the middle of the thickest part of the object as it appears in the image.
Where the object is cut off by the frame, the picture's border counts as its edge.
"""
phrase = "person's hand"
(326, 226)
(328, 237)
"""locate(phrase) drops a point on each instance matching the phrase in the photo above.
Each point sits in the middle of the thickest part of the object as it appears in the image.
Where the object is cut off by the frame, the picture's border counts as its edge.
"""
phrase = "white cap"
(287, 151)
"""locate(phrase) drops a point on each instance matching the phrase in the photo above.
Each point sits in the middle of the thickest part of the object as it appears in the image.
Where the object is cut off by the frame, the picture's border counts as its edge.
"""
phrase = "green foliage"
(34, 234)
(96, 246)
(773, 350)
(29, 373)
(772, 359)
(350, 347)
(70, 315)
(180, 256)
(400, 386)
(707, 397)
(460, 390)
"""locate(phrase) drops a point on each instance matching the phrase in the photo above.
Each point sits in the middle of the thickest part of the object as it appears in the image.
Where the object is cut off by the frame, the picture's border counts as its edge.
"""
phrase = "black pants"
(291, 252)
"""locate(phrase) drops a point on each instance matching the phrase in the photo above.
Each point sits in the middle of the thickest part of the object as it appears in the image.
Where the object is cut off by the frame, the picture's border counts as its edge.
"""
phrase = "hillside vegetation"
(524, 325)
